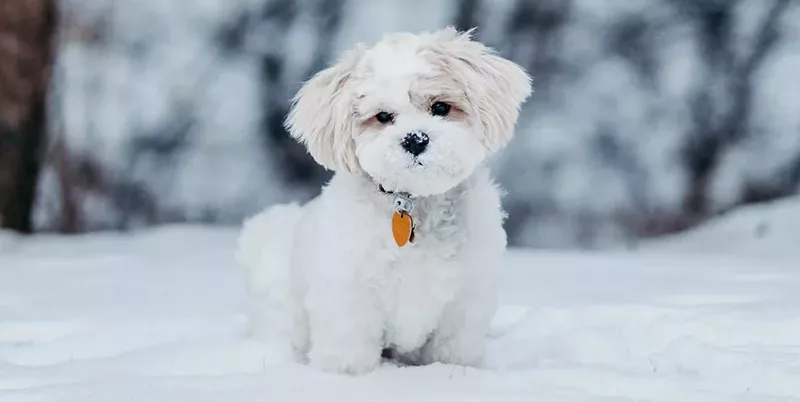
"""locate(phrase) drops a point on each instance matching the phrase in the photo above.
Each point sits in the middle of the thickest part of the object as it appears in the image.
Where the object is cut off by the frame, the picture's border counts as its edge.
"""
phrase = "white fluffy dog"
(400, 251)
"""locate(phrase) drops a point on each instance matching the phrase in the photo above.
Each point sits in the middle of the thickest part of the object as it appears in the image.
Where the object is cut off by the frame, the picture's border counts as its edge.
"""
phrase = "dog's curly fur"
(328, 283)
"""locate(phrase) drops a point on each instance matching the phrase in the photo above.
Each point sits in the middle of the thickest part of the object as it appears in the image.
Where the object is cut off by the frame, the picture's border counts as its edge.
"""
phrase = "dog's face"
(417, 113)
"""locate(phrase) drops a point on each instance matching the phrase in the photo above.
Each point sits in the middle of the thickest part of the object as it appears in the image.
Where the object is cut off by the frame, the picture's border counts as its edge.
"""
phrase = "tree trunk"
(27, 34)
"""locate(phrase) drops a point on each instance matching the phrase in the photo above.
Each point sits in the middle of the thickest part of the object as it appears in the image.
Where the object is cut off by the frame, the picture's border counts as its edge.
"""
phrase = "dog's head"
(417, 113)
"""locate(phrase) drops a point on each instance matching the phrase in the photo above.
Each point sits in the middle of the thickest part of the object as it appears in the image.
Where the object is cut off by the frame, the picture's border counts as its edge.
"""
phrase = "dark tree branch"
(537, 25)
(27, 34)
(467, 14)
(742, 82)
(717, 127)
(290, 157)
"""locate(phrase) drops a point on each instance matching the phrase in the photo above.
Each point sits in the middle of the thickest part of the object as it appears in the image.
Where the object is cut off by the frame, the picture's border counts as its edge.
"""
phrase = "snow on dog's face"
(417, 113)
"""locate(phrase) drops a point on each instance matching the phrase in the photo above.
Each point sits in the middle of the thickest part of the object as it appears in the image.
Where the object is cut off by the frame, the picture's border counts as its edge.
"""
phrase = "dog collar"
(402, 222)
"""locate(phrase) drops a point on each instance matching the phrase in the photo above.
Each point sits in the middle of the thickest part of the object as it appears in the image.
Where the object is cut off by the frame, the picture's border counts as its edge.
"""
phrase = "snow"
(157, 315)
(765, 231)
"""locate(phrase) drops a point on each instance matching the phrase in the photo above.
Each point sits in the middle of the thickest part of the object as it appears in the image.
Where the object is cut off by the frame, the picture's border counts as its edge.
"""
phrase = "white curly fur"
(329, 285)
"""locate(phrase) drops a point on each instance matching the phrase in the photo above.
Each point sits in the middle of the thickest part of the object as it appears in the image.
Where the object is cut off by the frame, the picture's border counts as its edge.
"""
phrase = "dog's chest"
(439, 235)
(424, 275)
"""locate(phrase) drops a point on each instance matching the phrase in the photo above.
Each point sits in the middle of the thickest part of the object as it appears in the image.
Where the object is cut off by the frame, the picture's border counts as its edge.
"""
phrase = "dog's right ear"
(322, 115)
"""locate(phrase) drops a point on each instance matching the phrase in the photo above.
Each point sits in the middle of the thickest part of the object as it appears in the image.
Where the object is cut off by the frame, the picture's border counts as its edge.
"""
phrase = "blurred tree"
(648, 118)
(723, 106)
(467, 14)
(280, 83)
(27, 30)
(275, 19)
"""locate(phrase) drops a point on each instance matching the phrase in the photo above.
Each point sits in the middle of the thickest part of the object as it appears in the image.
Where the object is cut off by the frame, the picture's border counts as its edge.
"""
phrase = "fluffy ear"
(322, 116)
(495, 87)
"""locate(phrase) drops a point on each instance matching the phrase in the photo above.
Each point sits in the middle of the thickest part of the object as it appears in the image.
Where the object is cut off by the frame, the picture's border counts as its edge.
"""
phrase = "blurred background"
(648, 117)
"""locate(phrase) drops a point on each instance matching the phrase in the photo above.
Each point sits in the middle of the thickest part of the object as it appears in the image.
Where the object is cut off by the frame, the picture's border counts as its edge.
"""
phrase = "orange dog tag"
(402, 228)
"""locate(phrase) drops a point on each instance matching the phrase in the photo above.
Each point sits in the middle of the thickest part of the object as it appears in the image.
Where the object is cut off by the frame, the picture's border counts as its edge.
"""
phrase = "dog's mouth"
(389, 190)
(418, 176)
(414, 165)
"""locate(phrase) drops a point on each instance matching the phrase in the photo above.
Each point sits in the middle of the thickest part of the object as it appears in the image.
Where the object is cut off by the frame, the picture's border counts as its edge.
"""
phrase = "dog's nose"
(415, 142)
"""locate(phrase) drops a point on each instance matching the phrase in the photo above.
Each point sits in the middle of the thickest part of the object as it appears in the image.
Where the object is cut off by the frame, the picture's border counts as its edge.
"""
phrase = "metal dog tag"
(402, 222)
(403, 203)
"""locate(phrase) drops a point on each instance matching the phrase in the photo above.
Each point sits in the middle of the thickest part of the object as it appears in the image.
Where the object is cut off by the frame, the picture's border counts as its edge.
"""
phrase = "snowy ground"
(712, 315)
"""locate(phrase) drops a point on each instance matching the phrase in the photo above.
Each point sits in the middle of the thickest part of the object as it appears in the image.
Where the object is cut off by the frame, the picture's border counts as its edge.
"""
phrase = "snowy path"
(115, 318)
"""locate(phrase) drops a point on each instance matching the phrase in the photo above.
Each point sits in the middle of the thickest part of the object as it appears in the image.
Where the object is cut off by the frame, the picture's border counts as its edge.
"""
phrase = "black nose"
(415, 142)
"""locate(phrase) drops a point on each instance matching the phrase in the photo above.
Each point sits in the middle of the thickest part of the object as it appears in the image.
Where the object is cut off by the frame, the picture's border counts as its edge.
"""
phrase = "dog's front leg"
(346, 327)
(461, 335)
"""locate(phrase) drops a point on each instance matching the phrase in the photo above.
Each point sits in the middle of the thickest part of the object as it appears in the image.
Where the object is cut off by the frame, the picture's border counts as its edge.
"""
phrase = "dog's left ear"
(495, 87)
(321, 115)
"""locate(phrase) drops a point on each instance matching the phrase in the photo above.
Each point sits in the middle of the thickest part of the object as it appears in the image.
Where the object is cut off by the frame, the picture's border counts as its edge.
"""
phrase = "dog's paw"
(355, 363)
(462, 351)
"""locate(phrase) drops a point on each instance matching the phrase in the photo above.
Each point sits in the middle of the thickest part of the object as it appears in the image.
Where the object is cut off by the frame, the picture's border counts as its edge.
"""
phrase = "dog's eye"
(384, 117)
(440, 109)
